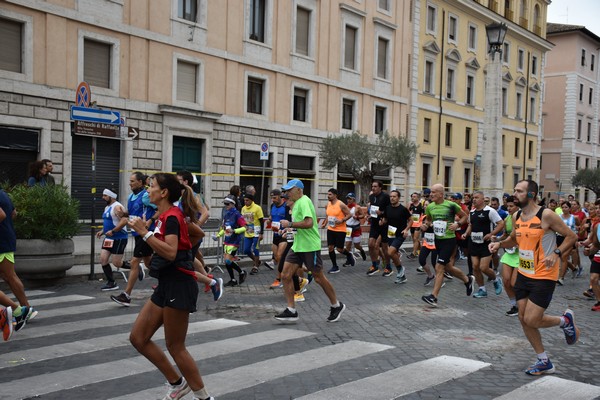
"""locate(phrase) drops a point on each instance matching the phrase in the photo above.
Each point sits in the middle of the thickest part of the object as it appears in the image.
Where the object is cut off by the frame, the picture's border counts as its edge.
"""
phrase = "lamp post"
(491, 144)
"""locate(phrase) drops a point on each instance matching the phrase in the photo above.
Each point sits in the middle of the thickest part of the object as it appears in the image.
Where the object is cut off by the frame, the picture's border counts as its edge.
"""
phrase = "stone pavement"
(387, 326)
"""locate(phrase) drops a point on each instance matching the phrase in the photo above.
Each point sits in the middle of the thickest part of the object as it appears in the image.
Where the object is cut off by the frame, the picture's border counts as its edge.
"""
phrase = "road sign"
(95, 115)
(107, 131)
(264, 151)
(83, 97)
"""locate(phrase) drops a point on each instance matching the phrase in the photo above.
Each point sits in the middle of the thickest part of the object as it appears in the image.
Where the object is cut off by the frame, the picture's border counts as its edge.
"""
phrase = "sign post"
(264, 156)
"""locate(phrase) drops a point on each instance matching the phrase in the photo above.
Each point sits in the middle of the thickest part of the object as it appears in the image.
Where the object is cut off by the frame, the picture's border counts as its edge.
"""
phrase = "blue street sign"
(264, 151)
(95, 115)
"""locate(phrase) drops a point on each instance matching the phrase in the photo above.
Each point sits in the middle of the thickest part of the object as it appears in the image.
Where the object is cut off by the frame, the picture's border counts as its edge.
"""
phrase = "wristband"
(148, 235)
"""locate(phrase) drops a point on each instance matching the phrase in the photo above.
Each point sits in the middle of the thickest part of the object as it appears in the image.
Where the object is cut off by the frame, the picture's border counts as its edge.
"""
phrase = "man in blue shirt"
(116, 237)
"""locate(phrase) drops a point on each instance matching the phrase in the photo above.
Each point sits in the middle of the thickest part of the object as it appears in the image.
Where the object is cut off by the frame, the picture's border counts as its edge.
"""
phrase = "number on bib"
(439, 228)
(477, 237)
(392, 231)
(429, 238)
(108, 243)
(526, 261)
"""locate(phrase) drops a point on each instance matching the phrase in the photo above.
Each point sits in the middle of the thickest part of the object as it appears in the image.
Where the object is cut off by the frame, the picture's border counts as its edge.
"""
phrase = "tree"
(589, 179)
(364, 158)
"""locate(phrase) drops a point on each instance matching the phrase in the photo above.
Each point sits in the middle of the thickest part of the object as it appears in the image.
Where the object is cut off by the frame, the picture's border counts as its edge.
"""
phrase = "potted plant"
(47, 219)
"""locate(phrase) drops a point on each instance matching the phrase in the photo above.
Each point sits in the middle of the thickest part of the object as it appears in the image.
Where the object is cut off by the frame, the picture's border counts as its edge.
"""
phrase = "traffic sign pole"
(264, 156)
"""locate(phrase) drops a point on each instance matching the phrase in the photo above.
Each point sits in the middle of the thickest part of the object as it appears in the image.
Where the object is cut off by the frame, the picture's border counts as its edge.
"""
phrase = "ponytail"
(190, 203)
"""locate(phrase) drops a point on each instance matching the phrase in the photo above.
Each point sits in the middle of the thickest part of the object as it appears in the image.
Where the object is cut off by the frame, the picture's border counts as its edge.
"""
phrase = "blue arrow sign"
(95, 115)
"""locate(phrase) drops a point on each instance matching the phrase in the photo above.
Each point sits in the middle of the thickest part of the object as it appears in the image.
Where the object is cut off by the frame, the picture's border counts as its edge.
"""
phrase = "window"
(534, 65)
(303, 168)
(187, 9)
(300, 102)
(506, 53)
(426, 130)
(530, 150)
(467, 138)
(587, 163)
(96, 63)
(429, 77)
(250, 173)
(576, 163)
(380, 119)
(448, 135)
(583, 57)
(519, 115)
(503, 145)
(350, 47)
(447, 176)
(579, 127)
(347, 114)
(472, 37)
(467, 180)
(11, 47)
(581, 92)
(591, 96)
(431, 19)
(592, 61)
(504, 101)
(187, 74)
(255, 96)
(520, 59)
(508, 13)
(589, 131)
(425, 175)
(470, 89)
(382, 58)
(302, 30)
(257, 20)
(450, 84)
(517, 141)
(532, 109)
(515, 178)
(383, 5)
(452, 28)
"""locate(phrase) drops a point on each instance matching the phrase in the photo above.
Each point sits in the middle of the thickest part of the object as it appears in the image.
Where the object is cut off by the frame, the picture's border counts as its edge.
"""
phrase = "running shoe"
(299, 297)
(270, 264)
(431, 300)
(217, 289)
(336, 312)
(126, 265)
(420, 270)
(469, 285)
(196, 398)
(363, 255)
(387, 272)
(22, 319)
(243, 276)
(334, 270)
(303, 285)
(32, 314)
(589, 294)
(596, 307)
(411, 256)
(6, 323)
(447, 275)
(579, 272)
(141, 273)
(122, 299)
(570, 330)
(560, 282)
(480, 294)
(176, 392)
(498, 286)
(401, 279)
(287, 316)
(207, 285)
(231, 283)
(372, 271)
(309, 276)
(513, 312)
(110, 286)
(276, 284)
(540, 368)
(428, 280)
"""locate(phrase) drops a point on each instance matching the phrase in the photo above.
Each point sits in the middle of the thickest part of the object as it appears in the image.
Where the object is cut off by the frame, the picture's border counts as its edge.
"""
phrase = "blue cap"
(293, 183)
(457, 196)
(351, 195)
(426, 191)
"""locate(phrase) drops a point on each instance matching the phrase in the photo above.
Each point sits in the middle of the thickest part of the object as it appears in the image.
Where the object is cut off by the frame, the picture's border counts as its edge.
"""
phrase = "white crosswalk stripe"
(59, 299)
(551, 387)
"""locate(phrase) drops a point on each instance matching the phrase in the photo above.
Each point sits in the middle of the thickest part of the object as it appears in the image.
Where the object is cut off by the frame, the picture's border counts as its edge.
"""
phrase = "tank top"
(110, 221)
(335, 211)
(570, 222)
(352, 221)
(534, 245)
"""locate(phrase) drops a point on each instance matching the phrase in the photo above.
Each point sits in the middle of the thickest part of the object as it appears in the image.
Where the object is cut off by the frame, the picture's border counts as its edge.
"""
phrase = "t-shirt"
(442, 216)
(138, 204)
(397, 217)
(110, 221)
(8, 237)
(234, 219)
(379, 202)
(416, 212)
(252, 215)
(306, 239)
(482, 222)
(277, 214)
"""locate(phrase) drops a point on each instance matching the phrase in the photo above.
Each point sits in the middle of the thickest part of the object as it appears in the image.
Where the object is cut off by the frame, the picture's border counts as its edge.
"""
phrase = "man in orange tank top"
(337, 215)
(534, 231)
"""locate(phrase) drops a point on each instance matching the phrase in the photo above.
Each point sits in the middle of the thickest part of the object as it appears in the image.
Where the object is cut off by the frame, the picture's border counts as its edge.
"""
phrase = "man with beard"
(398, 220)
(116, 237)
(378, 201)
(534, 231)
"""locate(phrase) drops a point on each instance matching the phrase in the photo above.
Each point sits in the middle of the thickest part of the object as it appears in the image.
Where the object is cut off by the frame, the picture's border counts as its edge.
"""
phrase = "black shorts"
(117, 246)
(395, 242)
(413, 230)
(277, 239)
(479, 249)
(538, 291)
(595, 267)
(424, 253)
(336, 239)
(180, 293)
(445, 249)
(141, 249)
(463, 244)
(377, 230)
(311, 259)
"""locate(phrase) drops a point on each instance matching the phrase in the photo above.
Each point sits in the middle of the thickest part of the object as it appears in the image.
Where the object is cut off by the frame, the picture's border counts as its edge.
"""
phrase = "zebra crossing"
(52, 358)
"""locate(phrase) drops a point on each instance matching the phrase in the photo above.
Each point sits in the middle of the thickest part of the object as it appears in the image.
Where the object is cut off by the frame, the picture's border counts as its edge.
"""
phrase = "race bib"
(331, 221)
(429, 238)
(373, 211)
(257, 230)
(526, 262)
(348, 232)
(439, 228)
(392, 231)
(415, 217)
(289, 236)
(477, 237)
(108, 243)
(275, 226)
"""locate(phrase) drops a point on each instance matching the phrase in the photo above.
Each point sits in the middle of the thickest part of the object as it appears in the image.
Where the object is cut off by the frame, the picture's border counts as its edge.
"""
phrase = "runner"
(427, 248)
(337, 215)
(233, 226)
(353, 228)
(115, 240)
(378, 201)
(279, 211)
(534, 231)
(417, 212)
(573, 223)
(254, 217)
(510, 258)
(399, 221)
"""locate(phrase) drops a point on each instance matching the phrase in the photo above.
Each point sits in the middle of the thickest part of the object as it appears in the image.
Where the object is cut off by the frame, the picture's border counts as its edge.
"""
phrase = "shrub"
(44, 212)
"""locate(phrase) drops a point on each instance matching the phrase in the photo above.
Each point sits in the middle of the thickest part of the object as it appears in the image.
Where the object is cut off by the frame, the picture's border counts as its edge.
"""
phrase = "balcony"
(509, 14)
(537, 30)
(524, 22)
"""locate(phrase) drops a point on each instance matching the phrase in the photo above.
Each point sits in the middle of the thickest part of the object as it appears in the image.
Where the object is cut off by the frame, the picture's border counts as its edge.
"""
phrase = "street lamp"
(491, 144)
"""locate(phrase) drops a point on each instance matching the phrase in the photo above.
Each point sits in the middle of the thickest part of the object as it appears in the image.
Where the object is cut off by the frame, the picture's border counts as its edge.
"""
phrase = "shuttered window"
(10, 45)
(96, 63)
(382, 50)
(302, 30)
(350, 47)
(186, 81)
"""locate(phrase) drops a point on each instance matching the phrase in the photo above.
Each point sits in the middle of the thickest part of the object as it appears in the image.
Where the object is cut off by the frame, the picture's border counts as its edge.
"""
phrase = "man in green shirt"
(305, 250)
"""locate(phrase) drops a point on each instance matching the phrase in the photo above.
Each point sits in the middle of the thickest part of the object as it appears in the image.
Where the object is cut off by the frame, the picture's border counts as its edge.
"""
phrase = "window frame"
(265, 95)
(353, 117)
(472, 37)
(114, 72)
(199, 103)
(26, 72)
(308, 106)
(384, 123)
(434, 19)
(310, 31)
(470, 90)
(453, 17)
(426, 130)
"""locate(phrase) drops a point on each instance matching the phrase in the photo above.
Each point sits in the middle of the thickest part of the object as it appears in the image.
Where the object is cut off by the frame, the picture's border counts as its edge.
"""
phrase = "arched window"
(508, 13)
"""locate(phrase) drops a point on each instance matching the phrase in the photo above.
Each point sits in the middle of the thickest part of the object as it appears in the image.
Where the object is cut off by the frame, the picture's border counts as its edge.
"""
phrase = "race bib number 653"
(526, 263)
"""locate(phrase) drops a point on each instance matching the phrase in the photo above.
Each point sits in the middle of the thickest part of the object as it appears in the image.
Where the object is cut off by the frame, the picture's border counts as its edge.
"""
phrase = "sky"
(576, 12)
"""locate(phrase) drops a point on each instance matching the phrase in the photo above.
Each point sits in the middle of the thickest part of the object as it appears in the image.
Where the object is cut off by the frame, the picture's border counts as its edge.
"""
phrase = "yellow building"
(449, 90)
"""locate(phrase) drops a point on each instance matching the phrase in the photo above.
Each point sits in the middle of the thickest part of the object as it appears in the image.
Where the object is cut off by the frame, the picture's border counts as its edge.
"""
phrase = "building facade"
(205, 82)
(449, 90)
(571, 129)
